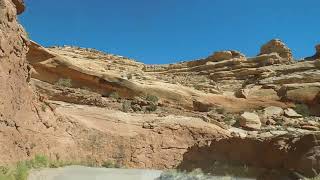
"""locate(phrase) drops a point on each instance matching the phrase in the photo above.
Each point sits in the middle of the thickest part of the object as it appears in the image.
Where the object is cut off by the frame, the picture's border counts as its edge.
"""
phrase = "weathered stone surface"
(19, 6)
(277, 46)
(272, 111)
(224, 55)
(291, 113)
(250, 120)
(303, 93)
(298, 153)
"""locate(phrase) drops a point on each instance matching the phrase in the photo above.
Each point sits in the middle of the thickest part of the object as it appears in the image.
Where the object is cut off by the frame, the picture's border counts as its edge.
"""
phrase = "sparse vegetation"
(302, 109)
(152, 98)
(110, 164)
(126, 106)
(151, 107)
(114, 95)
(64, 82)
(21, 170)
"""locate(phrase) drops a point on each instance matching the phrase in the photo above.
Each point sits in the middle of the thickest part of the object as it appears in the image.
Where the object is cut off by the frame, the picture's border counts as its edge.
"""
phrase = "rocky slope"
(248, 99)
(83, 104)
(31, 124)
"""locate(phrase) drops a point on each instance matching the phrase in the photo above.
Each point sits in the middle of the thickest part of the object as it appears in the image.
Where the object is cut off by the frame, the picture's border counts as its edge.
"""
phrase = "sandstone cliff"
(82, 104)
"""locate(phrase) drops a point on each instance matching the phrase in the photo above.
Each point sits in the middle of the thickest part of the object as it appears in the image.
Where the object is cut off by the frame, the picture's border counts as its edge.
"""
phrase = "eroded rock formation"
(89, 105)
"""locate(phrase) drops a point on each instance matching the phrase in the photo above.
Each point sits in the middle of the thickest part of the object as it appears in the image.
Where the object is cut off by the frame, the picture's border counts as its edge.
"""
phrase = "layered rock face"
(265, 87)
(30, 124)
(94, 106)
(277, 46)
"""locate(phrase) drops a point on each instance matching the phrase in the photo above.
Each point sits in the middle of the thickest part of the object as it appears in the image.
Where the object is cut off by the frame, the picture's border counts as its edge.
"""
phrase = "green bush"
(22, 171)
(114, 95)
(126, 106)
(64, 82)
(152, 98)
(152, 107)
(302, 109)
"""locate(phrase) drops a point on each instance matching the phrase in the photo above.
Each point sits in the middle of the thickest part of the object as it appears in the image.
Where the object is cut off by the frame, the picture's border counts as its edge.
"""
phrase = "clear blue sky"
(165, 31)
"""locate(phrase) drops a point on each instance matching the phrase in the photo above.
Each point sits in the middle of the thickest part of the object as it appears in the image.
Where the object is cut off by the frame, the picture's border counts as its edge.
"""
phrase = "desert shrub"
(64, 82)
(152, 98)
(302, 109)
(152, 107)
(114, 95)
(198, 87)
(196, 174)
(110, 164)
(126, 106)
(22, 171)
(229, 119)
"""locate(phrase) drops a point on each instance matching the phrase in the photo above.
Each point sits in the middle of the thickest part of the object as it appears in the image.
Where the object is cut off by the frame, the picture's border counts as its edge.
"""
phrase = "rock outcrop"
(286, 152)
(24, 127)
(316, 55)
(277, 46)
(250, 121)
(83, 104)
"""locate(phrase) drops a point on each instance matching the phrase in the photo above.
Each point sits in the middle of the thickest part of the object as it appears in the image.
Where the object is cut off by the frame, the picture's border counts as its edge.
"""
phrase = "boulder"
(277, 46)
(250, 121)
(272, 111)
(257, 92)
(302, 92)
(291, 113)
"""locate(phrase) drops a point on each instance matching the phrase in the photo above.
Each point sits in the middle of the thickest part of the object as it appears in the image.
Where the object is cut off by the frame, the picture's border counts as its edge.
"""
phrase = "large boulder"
(291, 113)
(302, 93)
(277, 46)
(272, 111)
(250, 121)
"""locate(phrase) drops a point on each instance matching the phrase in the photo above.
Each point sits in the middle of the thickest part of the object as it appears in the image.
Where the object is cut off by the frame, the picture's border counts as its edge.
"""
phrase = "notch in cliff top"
(277, 46)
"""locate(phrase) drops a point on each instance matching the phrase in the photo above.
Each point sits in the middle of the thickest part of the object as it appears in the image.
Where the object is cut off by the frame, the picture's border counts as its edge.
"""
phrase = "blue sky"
(166, 31)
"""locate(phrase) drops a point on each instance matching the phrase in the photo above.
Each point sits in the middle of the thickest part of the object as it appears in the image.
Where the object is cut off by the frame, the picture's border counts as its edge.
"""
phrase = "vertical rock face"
(15, 94)
(20, 115)
(277, 46)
